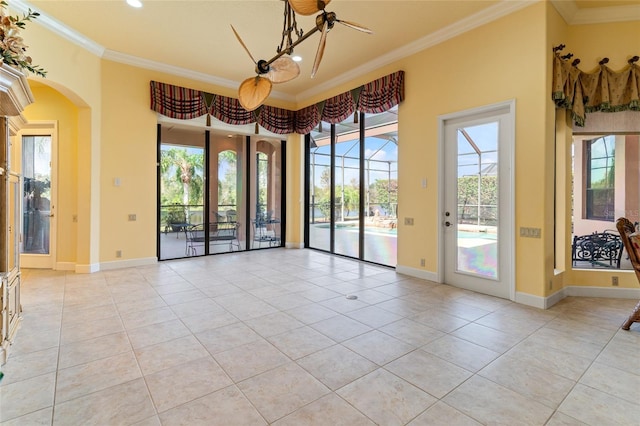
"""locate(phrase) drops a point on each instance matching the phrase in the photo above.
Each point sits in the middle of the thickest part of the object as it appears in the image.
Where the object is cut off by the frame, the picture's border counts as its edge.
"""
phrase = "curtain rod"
(576, 61)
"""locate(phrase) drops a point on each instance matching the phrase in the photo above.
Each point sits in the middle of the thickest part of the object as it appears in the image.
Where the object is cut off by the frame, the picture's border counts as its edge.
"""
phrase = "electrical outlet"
(132, 218)
(530, 232)
(118, 253)
(408, 221)
(614, 281)
(422, 262)
(550, 285)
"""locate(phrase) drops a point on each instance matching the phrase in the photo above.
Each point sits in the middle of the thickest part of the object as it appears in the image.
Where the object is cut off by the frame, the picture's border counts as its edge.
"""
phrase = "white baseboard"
(87, 269)
(539, 301)
(128, 263)
(607, 292)
(530, 300)
(554, 298)
(294, 245)
(577, 291)
(418, 273)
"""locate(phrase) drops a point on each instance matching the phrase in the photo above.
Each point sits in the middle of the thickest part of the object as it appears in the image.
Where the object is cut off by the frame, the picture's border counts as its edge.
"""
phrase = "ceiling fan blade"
(243, 45)
(308, 7)
(282, 70)
(253, 92)
(320, 52)
(355, 26)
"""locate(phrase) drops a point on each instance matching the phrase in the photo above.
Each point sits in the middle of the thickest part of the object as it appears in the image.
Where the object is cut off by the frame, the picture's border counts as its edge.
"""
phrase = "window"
(600, 178)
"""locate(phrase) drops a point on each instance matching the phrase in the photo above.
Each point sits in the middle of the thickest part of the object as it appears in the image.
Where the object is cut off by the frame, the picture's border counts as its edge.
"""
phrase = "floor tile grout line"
(502, 354)
(55, 384)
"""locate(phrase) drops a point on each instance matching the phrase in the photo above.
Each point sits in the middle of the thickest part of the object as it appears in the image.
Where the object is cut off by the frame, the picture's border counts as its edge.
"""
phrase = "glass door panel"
(36, 206)
(227, 230)
(181, 192)
(320, 194)
(347, 194)
(266, 218)
(381, 192)
(477, 200)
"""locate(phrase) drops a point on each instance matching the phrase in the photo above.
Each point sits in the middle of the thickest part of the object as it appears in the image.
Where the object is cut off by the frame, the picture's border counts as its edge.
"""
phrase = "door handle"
(447, 223)
(51, 215)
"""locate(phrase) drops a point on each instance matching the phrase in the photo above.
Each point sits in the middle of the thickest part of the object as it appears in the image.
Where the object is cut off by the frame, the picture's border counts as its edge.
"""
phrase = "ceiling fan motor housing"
(262, 67)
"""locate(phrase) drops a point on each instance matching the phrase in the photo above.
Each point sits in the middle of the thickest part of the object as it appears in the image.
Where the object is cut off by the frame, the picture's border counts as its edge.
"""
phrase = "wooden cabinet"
(11, 312)
(15, 95)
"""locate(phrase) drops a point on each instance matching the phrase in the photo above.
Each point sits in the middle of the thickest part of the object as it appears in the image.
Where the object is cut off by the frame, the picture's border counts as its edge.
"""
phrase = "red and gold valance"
(603, 90)
(185, 104)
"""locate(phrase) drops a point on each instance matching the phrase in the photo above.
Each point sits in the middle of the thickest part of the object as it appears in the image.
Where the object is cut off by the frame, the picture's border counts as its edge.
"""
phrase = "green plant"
(12, 47)
(176, 215)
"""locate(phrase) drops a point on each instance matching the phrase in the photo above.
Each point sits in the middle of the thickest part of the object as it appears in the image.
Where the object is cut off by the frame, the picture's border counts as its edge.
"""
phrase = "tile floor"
(269, 338)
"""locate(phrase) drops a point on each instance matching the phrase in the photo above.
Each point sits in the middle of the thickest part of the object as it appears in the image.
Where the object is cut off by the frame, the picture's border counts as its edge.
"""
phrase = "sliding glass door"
(218, 193)
(352, 188)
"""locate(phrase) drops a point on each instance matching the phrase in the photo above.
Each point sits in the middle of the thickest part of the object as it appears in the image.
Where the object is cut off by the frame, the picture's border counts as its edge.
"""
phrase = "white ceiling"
(194, 38)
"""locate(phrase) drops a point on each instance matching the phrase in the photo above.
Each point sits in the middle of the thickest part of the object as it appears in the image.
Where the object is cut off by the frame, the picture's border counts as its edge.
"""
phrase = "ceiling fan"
(281, 68)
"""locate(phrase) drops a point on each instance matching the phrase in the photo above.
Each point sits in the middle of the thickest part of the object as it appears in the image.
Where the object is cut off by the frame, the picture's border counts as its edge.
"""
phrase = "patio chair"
(219, 233)
(265, 232)
(231, 215)
(602, 249)
(631, 241)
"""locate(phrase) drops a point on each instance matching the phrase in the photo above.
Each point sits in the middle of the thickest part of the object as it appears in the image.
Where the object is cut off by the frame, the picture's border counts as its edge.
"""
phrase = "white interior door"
(478, 201)
(38, 157)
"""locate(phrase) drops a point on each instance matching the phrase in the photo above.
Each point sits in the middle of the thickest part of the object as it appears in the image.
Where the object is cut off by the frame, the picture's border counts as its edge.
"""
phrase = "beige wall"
(478, 68)
(509, 59)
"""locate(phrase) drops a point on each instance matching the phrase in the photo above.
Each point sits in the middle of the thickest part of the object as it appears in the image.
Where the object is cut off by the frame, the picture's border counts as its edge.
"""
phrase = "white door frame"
(507, 224)
(42, 128)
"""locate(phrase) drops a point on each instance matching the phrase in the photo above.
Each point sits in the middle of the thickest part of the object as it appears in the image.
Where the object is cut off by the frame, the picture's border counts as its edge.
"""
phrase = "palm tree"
(186, 169)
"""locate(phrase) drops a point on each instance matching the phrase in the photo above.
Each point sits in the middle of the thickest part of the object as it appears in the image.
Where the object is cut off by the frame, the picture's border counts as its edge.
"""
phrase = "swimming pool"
(482, 235)
(354, 228)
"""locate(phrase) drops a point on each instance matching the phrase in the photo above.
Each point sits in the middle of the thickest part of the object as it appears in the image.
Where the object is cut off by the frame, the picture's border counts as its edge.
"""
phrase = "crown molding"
(566, 8)
(469, 23)
(573, 15)
(135, 61)
(59, 28)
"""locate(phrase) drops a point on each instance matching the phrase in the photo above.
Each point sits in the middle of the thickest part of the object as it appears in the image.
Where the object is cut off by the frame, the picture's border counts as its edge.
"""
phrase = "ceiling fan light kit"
(308, 7)
(281, 68)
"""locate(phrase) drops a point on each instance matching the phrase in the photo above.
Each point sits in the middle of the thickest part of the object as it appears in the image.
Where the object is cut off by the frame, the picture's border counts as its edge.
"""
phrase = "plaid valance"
(177, 102)
(604, 90)
(335, 110)
(184, 104)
